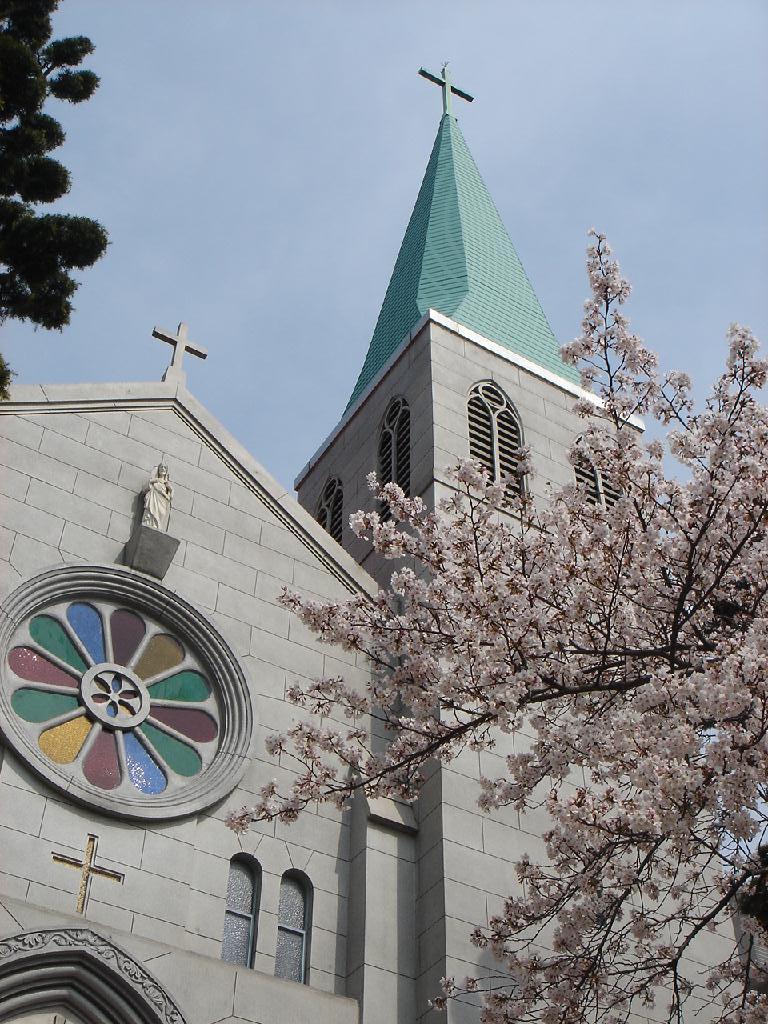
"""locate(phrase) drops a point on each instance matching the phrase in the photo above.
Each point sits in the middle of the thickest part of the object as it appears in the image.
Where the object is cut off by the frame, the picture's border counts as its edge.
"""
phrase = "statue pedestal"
(150, 551)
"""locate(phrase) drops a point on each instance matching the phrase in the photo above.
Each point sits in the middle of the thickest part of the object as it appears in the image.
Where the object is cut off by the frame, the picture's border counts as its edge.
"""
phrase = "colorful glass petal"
(41, 705)
(127, 631)
(28, 664)
(64, 742)
(143, 770)
(86, 622)
(178, 756)
(161, 655)
(102, 763)
(186, 686)
(52, 637)
(197, 725)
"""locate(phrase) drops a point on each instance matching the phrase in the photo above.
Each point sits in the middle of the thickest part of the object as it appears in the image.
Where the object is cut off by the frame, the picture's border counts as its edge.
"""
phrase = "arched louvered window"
(587, 477)
(241, 916)
(294, 923)
(395, 447)
(610, 490)
(495, 435)
(600, 488)
(330, 508)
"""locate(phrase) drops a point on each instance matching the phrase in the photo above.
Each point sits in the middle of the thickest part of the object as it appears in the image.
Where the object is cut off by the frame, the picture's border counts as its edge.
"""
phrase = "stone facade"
(434, 370)
(74, 463)
(464, 858)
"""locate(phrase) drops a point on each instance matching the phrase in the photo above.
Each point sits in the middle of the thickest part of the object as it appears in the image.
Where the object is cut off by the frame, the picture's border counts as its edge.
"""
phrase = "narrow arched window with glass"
(242, 913)
(294, 923)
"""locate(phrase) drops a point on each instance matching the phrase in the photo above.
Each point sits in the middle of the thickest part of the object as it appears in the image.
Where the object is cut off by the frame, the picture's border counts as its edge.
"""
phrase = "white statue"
(157, 500)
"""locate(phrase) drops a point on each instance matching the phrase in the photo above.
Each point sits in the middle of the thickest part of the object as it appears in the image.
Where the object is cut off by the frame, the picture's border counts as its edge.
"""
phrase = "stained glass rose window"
(122, 692)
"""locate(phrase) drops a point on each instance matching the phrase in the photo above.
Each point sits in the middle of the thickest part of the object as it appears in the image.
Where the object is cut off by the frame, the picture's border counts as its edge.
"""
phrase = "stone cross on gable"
(181, 344)
(446, 85)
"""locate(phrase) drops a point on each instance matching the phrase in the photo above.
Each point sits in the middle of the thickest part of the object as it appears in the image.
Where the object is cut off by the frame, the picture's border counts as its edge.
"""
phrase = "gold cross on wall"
(181, 344)
(88, 868)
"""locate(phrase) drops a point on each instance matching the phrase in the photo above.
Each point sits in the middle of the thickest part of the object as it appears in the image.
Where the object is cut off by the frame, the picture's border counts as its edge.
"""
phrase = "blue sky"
(256, 161)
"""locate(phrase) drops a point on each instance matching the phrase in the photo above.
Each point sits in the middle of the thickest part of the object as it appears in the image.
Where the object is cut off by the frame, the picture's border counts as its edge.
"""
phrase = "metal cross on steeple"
(181, 344)
(447, 87)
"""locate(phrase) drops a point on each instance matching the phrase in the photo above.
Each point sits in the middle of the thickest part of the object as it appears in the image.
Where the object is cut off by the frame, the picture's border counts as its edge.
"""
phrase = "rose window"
(112, 701)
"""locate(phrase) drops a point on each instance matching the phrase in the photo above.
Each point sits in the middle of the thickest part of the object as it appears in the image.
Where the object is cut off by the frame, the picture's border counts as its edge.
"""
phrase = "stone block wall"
(435, 372)
(353, 452)
(71, 482)
(464, 858)
(546, 411)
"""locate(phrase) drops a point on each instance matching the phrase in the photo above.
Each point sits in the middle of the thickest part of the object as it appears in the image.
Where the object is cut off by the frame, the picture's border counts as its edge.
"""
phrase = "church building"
(145, 659)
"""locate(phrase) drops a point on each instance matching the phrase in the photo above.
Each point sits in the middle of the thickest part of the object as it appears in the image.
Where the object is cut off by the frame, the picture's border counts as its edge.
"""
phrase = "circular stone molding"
(115, 696)
(119, 693)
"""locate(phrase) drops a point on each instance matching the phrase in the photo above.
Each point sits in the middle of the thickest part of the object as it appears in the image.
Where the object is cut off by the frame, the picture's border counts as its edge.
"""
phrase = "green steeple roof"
(456, 257)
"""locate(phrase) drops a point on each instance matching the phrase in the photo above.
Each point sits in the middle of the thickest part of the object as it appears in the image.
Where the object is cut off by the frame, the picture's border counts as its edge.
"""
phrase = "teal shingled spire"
(457, 258)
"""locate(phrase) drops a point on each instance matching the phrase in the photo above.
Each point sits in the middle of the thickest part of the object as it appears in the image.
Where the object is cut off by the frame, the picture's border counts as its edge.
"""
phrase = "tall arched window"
(610, 490)
(588, 478)
(242, 914)
(395, 446)
(601, 488)
(330, 508)
(495, 435)
(294, 923)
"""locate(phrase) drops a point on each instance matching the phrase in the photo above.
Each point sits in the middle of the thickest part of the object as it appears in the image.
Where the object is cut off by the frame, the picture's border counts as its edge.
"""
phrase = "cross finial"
(447, 86)
(181, 344)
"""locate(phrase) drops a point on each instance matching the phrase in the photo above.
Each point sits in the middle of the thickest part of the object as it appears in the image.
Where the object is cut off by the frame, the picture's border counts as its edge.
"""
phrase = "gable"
(77, 458)
(74, 462)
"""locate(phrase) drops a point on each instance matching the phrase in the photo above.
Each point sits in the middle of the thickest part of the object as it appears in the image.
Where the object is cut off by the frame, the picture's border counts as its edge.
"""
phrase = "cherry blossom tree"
(631, 641)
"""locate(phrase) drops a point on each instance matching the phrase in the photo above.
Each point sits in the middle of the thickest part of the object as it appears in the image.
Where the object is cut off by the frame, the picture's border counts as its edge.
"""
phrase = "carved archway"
(45, 1017)
(77, 971)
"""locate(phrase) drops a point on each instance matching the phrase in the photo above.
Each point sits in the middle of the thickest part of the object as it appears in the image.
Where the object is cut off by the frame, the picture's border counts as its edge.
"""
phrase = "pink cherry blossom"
(631, 641)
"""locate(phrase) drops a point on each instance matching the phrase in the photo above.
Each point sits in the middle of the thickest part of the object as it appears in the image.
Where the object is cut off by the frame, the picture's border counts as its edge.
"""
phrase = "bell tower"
(462, 362)
(459, 310)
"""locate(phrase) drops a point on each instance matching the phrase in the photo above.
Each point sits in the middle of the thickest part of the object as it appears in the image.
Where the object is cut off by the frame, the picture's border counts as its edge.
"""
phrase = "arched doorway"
(76, 976)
